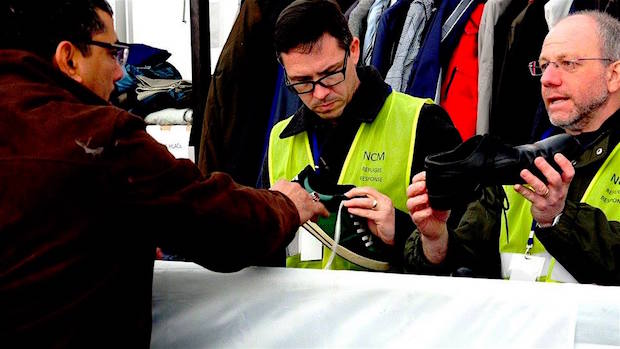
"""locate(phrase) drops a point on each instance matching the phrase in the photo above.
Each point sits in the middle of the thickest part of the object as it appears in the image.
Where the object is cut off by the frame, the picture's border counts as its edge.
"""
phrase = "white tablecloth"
(292, 308)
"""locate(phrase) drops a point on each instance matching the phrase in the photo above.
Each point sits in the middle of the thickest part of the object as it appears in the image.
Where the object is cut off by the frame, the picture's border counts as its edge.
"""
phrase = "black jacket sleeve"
(435, 134)
(586, 243)
(472, 245)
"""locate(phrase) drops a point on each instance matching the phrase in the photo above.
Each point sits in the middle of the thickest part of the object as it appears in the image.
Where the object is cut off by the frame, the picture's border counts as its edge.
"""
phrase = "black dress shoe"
(456, 177)
(356, 243)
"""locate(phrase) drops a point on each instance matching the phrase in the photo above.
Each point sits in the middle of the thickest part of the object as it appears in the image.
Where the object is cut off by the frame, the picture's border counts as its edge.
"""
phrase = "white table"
(293, 308)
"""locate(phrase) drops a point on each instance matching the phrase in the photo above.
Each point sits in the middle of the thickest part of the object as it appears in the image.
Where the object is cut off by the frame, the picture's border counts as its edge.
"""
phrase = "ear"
(67, 58)
(354, 49)
(613, 77)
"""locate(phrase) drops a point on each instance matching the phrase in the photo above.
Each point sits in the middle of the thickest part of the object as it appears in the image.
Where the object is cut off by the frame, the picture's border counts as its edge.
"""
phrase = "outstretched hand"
(307, 206)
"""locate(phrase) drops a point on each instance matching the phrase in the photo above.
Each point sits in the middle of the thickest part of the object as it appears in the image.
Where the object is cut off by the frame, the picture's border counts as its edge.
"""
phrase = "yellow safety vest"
(603, 192)
(380, 157)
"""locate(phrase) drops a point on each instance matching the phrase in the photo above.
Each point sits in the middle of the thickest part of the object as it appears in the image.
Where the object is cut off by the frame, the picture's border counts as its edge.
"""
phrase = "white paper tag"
(175, 138)
(526, 268)
(293, 248)
(310, 247)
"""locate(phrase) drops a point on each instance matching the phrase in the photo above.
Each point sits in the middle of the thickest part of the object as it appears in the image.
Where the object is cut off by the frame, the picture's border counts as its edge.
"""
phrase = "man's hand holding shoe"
(548, 199)
(431, 223)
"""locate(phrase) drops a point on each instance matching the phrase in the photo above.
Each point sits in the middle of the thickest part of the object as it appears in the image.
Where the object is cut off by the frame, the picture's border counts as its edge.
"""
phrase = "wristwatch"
(555, 221)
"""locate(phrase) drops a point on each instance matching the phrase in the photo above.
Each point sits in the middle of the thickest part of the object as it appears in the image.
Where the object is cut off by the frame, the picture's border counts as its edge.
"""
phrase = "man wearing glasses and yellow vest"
(563, 225)
(352, 129)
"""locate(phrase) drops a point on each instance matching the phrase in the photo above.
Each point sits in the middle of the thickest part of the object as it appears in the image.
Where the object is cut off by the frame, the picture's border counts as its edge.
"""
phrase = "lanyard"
(316, 152)
(530, 240)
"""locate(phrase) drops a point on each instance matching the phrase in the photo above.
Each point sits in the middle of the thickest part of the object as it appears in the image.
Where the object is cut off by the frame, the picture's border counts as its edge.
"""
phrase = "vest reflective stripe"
(601, 193)
(380, 155)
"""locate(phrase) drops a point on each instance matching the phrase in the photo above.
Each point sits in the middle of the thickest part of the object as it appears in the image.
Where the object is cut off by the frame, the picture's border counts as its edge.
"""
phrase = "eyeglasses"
(328, 80)
(568, 65)
(119, 50)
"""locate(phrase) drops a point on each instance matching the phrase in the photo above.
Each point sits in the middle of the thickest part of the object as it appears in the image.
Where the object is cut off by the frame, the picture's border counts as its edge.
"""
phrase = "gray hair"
(609, 33)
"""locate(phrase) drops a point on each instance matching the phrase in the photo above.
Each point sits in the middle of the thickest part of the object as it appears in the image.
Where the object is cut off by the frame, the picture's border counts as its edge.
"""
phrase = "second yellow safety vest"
(603, 192)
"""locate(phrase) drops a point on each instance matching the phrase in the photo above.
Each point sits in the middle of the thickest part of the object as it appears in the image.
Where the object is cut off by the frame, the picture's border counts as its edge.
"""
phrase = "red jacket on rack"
(459, 90)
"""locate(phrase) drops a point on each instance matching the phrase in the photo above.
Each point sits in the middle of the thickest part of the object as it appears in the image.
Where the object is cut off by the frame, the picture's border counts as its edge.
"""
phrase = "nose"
(320, 92)
(551, 76)
(118, 72)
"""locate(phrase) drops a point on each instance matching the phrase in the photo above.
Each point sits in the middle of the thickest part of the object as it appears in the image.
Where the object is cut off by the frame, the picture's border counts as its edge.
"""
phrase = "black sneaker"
(350, 238)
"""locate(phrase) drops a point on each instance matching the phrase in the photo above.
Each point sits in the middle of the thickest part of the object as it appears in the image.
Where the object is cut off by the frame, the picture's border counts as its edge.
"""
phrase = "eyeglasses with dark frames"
(328, 80)
(537, 68)
(119, 50)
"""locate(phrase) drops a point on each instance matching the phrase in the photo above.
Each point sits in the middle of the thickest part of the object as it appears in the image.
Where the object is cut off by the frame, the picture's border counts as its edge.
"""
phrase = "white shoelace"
(336, 237)
(367, 239)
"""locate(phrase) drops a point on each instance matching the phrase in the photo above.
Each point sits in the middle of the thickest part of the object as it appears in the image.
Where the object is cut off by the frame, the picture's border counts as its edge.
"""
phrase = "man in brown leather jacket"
(86, 194)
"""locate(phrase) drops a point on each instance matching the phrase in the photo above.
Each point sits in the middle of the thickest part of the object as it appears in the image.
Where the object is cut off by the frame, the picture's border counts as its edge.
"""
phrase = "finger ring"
(546, 193)
(374, 204)
(315, 196)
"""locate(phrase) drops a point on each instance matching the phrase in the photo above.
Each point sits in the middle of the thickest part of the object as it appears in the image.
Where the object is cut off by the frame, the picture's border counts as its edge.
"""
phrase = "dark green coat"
(584, 241)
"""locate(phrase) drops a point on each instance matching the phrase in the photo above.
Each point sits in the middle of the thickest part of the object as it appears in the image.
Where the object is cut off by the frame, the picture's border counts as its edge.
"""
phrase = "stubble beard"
(583, 114)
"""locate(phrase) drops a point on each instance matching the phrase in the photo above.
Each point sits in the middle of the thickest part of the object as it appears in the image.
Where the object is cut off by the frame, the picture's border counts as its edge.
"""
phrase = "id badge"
(311, 249)
(526, 267)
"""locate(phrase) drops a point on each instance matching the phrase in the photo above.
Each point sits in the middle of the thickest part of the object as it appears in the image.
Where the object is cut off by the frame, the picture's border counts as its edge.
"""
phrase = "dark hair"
(39, 26)
(303, 22)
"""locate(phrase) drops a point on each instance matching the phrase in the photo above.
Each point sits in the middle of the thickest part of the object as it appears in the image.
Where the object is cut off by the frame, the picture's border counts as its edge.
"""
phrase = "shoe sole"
(343, 252)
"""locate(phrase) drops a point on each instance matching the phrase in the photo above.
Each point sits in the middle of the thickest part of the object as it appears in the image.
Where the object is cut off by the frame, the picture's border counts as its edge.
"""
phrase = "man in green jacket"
(564, 227)
(352, 128)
